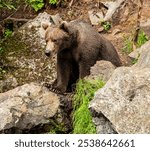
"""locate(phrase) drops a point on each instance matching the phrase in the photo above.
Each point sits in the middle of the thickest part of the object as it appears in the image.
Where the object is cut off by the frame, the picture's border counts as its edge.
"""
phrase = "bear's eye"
(54, 40)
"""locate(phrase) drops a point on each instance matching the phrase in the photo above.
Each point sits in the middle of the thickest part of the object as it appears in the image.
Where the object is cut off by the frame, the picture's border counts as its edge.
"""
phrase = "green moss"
(13, 45)
(12, 49)
(82, 119)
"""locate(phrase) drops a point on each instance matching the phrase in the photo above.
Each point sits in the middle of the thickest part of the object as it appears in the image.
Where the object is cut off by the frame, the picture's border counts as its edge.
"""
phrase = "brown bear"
(78, 46)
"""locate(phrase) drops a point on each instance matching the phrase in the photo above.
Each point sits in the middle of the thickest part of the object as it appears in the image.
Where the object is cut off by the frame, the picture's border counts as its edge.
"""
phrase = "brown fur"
(78, 46)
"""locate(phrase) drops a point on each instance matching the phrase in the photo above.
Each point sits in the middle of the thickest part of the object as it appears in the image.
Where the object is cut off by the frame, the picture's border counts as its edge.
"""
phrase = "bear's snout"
(50, 48)
(48, 53)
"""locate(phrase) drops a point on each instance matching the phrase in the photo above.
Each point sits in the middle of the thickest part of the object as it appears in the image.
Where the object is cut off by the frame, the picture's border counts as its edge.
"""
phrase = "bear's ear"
(45, 25)
(64, 26)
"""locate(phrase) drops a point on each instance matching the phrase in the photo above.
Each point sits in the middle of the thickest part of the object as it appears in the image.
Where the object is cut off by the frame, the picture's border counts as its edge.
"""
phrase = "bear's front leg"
(63, 75)
(84, 68)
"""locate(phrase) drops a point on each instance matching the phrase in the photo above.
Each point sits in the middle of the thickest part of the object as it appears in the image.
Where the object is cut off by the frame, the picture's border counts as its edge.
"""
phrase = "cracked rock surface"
(125, 99)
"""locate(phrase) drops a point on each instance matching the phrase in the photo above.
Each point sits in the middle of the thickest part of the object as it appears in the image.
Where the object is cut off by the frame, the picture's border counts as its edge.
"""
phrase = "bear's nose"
(48, 54)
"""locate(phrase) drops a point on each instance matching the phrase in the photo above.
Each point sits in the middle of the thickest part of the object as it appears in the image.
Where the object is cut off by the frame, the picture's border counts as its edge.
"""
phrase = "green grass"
(142, 38)
(82, 119)
(7, 4)
(53, 2)
(128, 45)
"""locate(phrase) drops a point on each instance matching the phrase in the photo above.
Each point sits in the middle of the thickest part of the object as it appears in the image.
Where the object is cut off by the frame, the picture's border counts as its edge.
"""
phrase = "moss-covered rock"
(22, 54)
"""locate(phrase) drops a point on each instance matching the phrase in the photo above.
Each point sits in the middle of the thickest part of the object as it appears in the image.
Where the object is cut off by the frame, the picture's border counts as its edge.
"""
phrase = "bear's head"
(57, 38)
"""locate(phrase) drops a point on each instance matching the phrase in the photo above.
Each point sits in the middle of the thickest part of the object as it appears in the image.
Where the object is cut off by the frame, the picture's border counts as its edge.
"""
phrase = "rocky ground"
(122, 106)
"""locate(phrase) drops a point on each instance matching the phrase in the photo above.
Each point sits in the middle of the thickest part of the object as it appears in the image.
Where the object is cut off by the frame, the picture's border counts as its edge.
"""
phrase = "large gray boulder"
(125, 99)
(142, 50)
(30, 107)
(102, 70)
(145, 26)
(27, 106)
(116, 11)
(24, 57)
(144, 57)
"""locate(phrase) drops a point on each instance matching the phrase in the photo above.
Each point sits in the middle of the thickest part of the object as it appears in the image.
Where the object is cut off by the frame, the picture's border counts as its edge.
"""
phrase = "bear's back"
(93, 44)
(87, 35)
(84, 28)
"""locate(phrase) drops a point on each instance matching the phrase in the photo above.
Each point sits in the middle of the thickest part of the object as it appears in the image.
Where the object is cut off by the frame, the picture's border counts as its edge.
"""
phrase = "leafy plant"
(8, 4)
(82, 119)
(106, 25)
(36, 4)
(142, 38)
(53, 2)
(8, 33)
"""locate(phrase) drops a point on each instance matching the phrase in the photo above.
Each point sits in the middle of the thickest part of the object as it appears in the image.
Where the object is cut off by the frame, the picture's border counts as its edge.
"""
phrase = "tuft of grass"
(128, 45)
(142, 38)
(82, 119)
(53, 2)
(7, 4)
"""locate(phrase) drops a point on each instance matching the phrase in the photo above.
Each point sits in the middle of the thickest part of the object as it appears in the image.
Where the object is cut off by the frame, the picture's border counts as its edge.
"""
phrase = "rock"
(119, 11)
(44, 17)
(145, 26)
(25, 52)
(103, 125)
(27, 106)
(116, 31)
(101, 29)
(31, 107)
(7, 84)
(95, 17)
(125, 99)
(112, 8)
(136, 53)
(102, 70)
(144, 58)
(33, 28)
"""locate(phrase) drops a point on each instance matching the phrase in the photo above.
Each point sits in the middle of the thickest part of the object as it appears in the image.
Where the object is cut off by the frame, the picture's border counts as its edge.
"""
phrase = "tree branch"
(11, 14)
